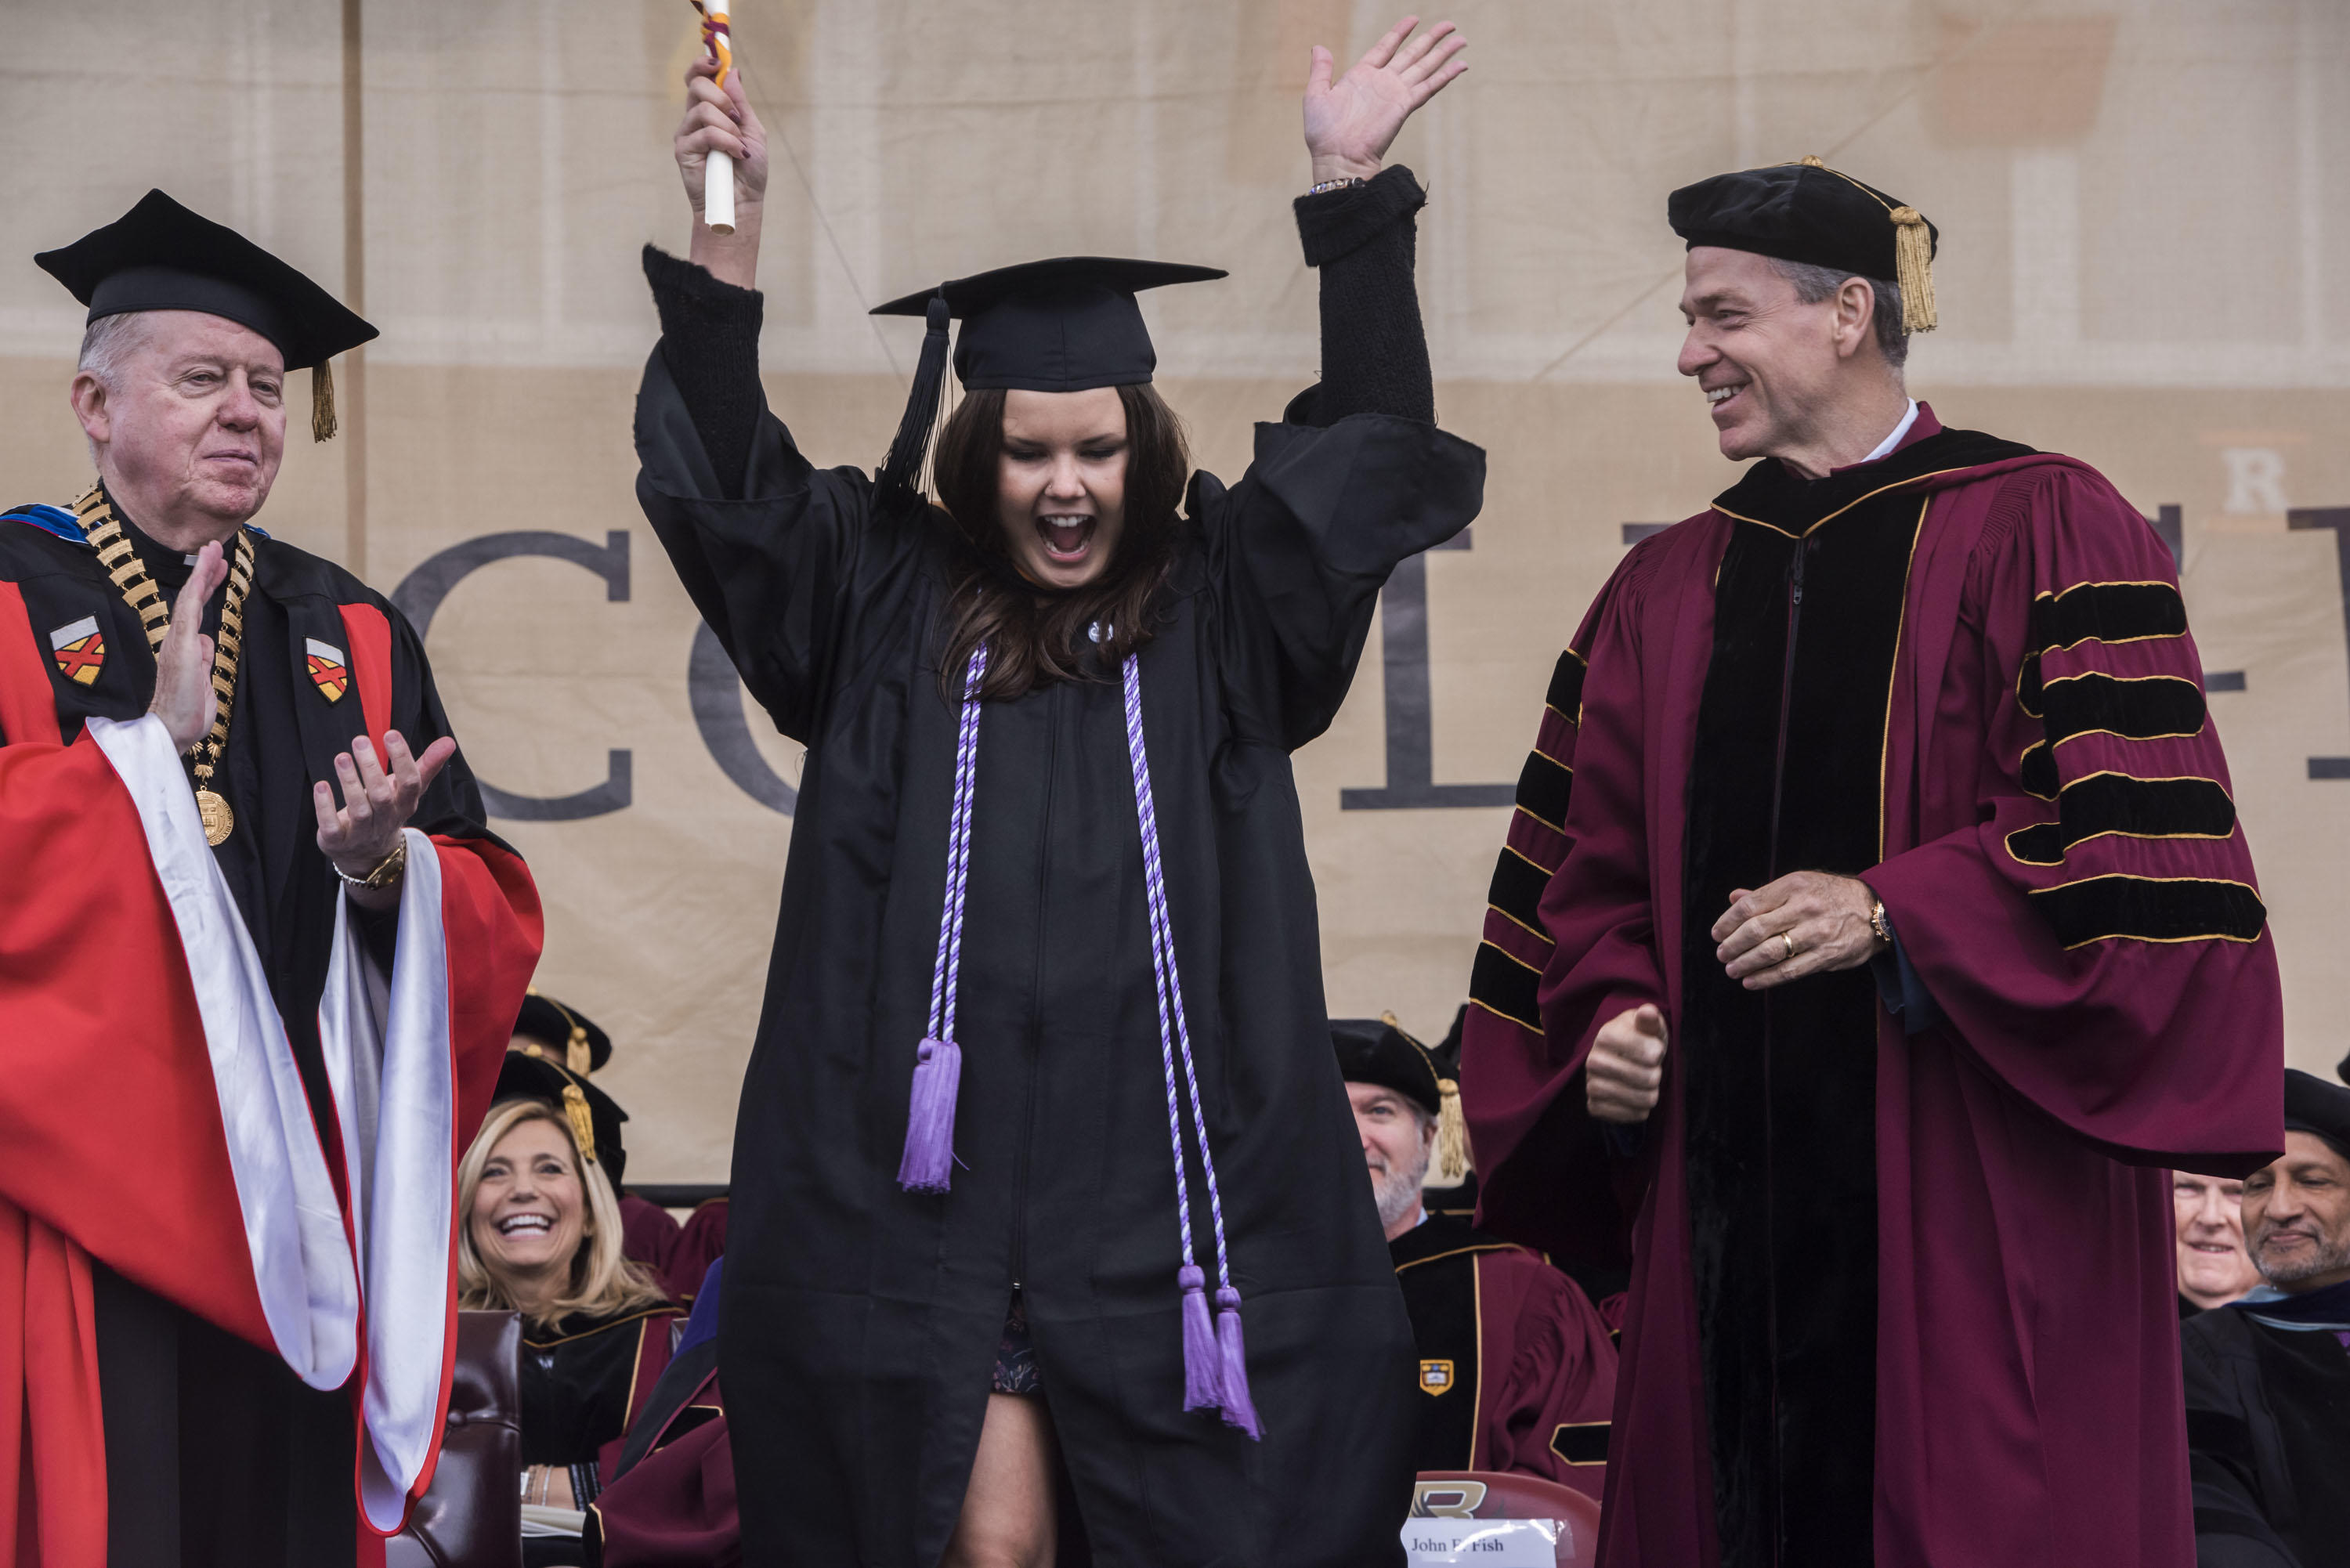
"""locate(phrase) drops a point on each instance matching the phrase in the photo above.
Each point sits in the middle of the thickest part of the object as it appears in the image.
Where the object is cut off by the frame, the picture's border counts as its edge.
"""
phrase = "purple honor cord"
(1215, 1356)
(938, 1061)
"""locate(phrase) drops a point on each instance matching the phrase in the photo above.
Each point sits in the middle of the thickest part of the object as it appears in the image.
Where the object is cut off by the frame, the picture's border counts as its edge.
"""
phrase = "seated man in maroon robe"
(1517, 1368)
(1875, 926)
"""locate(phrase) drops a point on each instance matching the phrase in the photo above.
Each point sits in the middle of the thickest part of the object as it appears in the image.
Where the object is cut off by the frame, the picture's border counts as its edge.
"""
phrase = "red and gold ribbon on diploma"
(718, 171)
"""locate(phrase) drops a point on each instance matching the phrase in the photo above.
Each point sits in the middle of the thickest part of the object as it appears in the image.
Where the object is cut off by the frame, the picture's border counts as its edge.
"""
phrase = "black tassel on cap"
(901, 472)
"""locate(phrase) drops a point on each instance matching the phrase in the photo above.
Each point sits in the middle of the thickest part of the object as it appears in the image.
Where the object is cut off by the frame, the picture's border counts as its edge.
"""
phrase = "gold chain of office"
(140, 590)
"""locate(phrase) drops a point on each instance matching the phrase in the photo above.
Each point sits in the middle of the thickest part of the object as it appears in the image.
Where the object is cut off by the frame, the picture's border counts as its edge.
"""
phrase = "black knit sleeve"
(1374, 347)
(709, 344)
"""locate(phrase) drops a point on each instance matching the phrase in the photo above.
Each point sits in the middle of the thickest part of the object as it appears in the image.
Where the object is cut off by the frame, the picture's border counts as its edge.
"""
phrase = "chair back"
(471, 1516)
(1494, 1495)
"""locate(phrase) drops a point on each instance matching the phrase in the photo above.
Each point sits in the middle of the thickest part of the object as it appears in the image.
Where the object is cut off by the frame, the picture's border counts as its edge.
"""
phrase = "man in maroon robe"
(1516, 1369)
(1874, 928)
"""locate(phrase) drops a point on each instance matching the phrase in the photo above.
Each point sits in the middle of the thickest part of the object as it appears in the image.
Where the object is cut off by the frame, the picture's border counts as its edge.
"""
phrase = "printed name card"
(1484, 1543)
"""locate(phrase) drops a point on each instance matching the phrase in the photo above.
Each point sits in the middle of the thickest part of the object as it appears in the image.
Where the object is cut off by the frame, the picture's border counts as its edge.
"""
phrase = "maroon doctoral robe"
(1516, 1369)
(1902, 1285)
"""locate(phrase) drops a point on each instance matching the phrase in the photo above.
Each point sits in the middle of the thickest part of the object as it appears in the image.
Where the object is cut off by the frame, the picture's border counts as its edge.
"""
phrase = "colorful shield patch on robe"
(328, 667)
(79, 649)
(1436, 1377)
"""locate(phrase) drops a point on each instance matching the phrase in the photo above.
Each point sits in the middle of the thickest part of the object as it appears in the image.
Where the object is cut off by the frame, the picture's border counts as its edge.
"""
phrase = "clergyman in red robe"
(258, 960)
(1874, 928)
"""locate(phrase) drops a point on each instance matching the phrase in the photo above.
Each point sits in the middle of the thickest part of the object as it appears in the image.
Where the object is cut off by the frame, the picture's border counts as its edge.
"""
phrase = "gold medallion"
(219, 821)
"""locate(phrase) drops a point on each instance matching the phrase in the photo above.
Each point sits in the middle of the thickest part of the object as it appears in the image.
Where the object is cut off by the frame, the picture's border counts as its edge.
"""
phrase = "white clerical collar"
(1889, 442)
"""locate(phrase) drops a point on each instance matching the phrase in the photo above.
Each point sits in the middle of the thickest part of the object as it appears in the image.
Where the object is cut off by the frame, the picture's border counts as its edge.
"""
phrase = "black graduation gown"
(2268, 1438)
(216, 1454)
(860, 1321)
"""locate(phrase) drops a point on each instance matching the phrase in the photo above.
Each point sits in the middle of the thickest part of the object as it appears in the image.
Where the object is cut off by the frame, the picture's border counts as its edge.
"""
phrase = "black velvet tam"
(160, 256)
(1372, 1052)
(1793, 212)
(564, 1030)
(1060, 325)
(2314, 1106)
(527, 1074)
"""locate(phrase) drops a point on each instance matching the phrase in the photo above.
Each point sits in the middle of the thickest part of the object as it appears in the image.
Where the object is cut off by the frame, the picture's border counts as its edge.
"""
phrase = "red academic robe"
(154, 1118)
(2059, 882)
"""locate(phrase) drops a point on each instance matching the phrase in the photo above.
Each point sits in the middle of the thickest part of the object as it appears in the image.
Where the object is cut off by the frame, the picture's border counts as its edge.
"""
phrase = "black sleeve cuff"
(1339, 222)
(710, 342)
(691, 300)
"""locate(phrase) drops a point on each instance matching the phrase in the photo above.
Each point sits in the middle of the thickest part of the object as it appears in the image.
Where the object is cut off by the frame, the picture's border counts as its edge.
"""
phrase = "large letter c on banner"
(418, 598)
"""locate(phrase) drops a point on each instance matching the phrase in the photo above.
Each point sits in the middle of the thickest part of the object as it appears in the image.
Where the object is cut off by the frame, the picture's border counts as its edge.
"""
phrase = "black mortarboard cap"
(1061, 326)
(1066, 324)
(573, 1035)
(1806, 211)
(595, 1118)
(2314, 1106)
(160, 256)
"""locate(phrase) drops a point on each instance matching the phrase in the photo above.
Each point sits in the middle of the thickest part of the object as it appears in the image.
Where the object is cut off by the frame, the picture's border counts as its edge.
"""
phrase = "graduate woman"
(1050, 1231)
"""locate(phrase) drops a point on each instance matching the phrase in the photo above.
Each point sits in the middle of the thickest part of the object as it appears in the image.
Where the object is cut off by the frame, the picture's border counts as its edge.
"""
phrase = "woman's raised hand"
(721, 120)
(1349, 122)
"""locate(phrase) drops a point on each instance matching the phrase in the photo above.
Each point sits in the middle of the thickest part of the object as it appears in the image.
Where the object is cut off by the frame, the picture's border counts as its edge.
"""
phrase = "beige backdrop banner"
(2145, 211)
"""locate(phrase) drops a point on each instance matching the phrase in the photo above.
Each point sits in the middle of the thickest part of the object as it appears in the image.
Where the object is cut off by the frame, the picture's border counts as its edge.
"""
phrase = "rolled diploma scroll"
(718, 193)
(718, 171)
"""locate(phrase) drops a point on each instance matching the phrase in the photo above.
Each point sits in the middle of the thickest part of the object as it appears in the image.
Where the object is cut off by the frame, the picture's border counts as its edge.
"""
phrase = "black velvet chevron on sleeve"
(710, 342)
(1363, 238)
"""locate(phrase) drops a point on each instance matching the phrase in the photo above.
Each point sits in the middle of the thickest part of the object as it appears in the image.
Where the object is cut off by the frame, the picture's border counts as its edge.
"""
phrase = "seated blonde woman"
(541, 1237)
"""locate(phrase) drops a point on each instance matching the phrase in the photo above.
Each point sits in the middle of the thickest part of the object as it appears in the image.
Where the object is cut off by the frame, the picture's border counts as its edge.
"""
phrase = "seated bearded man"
(256, 972)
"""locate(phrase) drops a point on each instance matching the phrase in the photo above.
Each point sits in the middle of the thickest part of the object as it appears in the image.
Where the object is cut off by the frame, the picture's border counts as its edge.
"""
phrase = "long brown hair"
(1036, 635)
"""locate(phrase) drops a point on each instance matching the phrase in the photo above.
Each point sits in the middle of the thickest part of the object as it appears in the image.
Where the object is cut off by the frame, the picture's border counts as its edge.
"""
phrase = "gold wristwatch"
(388, 870)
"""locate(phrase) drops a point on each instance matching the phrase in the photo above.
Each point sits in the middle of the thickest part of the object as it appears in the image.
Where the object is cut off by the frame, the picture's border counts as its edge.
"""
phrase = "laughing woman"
(541, 1237)
(1050, 1231)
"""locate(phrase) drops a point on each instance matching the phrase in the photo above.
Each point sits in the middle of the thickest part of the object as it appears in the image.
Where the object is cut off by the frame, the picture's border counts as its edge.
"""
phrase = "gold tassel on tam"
(583, 1126)
(1451, 1134)
(1913, 256)
(322, 402)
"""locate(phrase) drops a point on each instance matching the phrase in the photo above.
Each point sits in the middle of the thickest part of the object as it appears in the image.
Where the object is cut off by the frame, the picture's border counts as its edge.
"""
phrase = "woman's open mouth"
(1067, 537)
(524, 1225)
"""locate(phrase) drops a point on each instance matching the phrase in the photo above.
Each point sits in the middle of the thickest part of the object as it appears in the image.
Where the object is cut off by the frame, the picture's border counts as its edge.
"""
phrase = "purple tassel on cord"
(930, 1119)
(1240, 1410)
(1201, 1377)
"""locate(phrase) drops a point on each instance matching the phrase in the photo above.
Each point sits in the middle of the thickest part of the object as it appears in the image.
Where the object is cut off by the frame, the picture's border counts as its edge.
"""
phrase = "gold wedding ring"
(1790, 943)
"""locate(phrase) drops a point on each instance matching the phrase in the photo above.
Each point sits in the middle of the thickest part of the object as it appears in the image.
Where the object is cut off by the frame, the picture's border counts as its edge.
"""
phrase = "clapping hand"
(377, 804)
(184, 699)
(1350, 123)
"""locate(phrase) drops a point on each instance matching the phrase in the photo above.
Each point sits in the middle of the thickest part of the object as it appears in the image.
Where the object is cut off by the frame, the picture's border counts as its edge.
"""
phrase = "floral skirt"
(1015, 1356)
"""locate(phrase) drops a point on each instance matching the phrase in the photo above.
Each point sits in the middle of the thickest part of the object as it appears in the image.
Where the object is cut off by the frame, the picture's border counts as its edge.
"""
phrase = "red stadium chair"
(1491, 1494)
